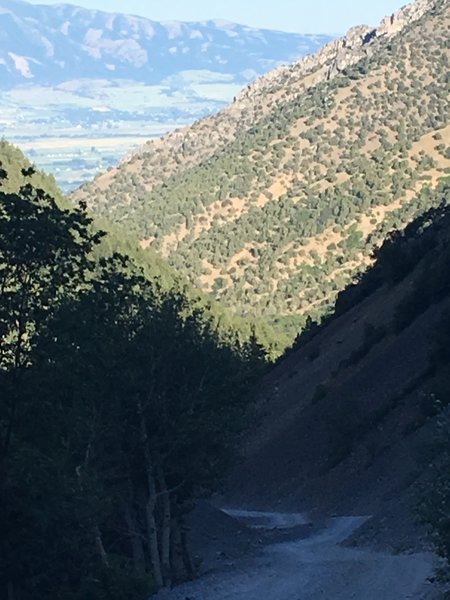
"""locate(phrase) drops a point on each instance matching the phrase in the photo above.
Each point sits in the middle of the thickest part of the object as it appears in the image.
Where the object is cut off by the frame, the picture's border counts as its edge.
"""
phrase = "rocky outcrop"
(183, 147)
(342, 53)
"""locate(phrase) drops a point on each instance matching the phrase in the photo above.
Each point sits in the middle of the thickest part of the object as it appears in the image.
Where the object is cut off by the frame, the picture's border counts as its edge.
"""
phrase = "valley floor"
(313, 567)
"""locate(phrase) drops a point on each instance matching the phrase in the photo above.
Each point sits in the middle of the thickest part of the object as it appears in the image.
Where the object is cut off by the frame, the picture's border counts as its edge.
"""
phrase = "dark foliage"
(120, 401)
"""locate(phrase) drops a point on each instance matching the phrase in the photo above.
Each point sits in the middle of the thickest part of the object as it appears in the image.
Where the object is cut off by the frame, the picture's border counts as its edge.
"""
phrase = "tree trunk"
(178, 571)
(152, 531)
(166, 527)
(137, 548)
(187, 560)
(100, 547)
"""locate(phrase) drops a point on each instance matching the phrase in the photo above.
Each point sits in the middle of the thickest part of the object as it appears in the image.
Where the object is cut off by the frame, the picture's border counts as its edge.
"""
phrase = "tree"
(120, 404)
(44, 256)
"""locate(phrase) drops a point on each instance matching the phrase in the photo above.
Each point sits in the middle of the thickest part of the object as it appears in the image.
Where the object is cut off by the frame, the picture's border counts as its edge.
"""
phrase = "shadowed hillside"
(349, 418)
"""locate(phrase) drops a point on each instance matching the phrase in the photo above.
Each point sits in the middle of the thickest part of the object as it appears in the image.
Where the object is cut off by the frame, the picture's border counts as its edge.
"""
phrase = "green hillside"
(275, 204)
(13, 161)
(153, 265)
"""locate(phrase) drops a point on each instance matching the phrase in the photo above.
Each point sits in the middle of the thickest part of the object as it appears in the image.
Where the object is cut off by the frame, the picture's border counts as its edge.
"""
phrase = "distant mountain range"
(47, 45)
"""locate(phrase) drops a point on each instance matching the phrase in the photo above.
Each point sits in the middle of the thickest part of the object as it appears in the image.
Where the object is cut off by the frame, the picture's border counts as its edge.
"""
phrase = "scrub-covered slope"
(273, 204)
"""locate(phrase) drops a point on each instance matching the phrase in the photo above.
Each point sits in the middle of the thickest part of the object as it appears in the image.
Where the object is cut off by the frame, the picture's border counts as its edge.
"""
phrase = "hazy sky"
(303, 16)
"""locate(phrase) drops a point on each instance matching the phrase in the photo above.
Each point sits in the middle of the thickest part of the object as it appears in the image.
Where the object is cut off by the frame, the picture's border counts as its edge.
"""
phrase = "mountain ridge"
(341, 53)
(48, 45)
(276, 202)
(346, 50)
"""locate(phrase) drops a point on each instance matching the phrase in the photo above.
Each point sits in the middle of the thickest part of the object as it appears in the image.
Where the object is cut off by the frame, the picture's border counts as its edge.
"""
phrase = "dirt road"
(312, 568)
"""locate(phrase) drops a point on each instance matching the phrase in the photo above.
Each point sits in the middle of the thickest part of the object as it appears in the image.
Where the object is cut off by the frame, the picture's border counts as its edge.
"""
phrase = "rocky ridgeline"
(339, 54)
(190, 145)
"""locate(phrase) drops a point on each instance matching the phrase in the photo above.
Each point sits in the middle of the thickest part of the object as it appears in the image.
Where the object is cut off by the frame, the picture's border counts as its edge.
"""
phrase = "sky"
(302, 16)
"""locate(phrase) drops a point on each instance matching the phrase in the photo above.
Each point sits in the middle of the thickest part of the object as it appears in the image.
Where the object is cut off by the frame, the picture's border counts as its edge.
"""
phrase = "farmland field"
(80, 128)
